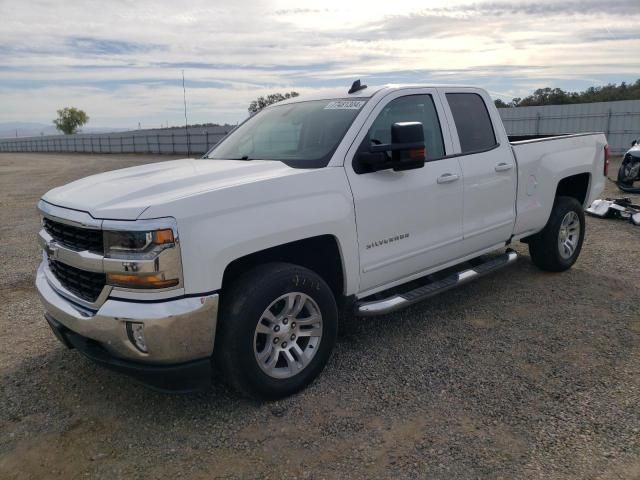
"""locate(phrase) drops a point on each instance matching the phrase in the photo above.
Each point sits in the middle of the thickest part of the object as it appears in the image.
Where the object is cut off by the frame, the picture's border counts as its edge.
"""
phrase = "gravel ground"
(522, 374)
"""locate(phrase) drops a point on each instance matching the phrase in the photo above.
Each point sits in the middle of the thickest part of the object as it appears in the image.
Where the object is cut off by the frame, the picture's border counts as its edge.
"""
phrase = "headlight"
(138, 245)
(142, 259)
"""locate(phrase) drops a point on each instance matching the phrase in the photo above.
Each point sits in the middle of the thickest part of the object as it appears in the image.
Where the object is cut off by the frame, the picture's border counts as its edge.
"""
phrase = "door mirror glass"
(407, 142)
(405, 152)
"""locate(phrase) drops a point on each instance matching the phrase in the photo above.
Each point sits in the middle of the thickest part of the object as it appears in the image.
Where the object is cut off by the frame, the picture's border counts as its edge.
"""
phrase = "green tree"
(556, 96)
(70, 119)
(261, 102)
(500, 103)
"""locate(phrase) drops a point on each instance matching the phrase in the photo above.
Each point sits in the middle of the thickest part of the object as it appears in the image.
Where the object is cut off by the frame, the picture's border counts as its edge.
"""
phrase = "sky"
(121, 61)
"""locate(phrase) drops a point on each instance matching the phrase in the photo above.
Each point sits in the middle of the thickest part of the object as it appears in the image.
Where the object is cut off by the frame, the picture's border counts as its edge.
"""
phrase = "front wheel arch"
(320, 254)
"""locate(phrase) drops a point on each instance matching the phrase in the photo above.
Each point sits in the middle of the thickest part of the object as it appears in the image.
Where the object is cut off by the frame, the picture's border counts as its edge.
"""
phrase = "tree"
(261, 102)
(500, 103)
(70, 119)
(556, 96)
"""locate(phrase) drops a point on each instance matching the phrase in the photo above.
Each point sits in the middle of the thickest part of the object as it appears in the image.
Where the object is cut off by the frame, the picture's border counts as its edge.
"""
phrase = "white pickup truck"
(242, 259)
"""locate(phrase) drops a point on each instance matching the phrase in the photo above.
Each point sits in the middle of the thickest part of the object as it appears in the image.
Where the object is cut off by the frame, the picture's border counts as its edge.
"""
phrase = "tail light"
(606, 160)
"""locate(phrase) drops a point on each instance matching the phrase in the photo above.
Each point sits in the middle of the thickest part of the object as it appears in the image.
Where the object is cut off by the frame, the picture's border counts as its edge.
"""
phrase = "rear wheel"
(557, 247)
(278, 328)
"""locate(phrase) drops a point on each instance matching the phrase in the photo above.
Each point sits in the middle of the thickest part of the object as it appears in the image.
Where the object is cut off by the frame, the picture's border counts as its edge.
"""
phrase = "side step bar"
(401, 300)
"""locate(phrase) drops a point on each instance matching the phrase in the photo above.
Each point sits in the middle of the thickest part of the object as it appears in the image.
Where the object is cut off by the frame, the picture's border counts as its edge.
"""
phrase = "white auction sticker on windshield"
(345, 105)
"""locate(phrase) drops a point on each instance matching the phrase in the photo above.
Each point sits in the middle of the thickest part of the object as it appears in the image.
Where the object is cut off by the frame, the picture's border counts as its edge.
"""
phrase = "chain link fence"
(620, 121)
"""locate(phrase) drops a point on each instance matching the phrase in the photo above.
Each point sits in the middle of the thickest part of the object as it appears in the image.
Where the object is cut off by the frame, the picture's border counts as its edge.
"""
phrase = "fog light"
(136, 335)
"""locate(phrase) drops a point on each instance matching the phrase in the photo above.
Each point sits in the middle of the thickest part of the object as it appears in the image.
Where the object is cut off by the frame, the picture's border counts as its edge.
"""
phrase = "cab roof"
(364, 93)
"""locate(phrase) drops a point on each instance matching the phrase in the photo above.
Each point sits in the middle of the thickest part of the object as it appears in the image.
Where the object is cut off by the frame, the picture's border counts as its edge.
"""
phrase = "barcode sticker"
(345, 105)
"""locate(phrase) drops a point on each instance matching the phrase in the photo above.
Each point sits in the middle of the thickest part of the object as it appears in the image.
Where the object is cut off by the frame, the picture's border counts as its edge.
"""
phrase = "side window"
(412, 108)
(473, 123)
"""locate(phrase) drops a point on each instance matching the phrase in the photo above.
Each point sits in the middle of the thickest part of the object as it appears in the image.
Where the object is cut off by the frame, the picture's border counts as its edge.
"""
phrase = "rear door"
(488, 168)
(407, 221)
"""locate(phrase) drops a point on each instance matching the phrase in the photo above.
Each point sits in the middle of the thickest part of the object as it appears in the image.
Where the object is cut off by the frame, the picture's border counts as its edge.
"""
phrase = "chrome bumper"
(175, 330)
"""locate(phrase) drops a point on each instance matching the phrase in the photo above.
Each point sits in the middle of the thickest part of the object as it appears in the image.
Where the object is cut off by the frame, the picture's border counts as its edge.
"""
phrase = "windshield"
(302, 135)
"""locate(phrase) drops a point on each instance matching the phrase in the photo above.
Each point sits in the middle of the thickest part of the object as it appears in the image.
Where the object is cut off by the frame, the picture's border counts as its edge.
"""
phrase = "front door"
(407, 221)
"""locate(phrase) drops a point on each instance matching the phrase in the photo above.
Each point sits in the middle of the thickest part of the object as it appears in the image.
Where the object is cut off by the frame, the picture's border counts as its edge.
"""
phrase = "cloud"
(549, 8)
(124, 64)
(96, 46)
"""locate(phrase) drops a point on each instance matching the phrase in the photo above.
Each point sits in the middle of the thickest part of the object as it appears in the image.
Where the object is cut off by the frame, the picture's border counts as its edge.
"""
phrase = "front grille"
(86, 285)
(75, 238)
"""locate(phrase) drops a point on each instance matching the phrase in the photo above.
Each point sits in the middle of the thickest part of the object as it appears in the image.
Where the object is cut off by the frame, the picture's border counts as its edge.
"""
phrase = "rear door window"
(473, 123)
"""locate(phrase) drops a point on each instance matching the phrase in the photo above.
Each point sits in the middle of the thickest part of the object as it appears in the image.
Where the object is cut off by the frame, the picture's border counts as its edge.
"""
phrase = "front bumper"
(176, 331)
(180, 378)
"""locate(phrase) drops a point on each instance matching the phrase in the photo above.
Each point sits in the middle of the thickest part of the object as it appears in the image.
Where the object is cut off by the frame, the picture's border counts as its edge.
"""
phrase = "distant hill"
(33, 129)
(25, 129)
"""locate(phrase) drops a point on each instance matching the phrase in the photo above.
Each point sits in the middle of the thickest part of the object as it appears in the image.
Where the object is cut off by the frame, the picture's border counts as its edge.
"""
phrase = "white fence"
(620, 121)
(162, 141)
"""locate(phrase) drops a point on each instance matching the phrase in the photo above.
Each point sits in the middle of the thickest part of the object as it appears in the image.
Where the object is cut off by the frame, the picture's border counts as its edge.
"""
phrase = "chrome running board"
(402, 300)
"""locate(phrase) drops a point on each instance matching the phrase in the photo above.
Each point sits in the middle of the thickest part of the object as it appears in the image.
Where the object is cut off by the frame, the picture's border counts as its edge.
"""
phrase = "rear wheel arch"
(575, 186)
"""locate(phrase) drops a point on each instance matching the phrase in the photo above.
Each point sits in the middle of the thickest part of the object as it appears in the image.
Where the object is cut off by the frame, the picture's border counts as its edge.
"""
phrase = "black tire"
(544, 247)
(243, 305)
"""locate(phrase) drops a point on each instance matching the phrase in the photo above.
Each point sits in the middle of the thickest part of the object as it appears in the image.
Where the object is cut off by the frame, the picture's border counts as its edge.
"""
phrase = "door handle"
(503, 167)
(448, 178)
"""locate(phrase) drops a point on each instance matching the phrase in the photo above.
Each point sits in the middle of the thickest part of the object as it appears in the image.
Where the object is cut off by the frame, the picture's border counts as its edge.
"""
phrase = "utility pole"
(186, 122)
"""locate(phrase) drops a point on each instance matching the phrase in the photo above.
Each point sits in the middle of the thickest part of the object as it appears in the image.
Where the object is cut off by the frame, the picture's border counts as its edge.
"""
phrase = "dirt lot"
(522, 374)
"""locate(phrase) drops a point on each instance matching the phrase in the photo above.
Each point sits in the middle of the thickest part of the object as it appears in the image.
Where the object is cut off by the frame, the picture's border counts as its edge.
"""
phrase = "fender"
(221, 226)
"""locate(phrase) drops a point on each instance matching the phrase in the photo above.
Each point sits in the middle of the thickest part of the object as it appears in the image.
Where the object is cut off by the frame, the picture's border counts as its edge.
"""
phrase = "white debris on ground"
(615, 208)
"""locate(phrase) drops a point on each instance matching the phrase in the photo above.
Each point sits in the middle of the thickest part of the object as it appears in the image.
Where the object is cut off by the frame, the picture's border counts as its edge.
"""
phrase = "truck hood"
(125, 194)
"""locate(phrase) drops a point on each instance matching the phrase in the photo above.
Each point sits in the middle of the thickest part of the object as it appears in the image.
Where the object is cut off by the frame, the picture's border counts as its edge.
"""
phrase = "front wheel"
(278, 328)
(557, 246)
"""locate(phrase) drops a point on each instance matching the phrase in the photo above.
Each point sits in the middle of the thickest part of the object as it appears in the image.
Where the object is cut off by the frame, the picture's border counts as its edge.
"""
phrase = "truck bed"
(544, 160)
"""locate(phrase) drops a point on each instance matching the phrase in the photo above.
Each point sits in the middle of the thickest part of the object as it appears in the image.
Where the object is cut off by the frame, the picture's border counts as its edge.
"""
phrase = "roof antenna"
(356, 87)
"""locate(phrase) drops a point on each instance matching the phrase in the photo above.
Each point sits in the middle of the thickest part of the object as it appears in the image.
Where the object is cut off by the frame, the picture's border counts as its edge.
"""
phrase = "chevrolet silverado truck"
(240, 261)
